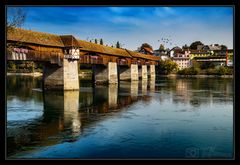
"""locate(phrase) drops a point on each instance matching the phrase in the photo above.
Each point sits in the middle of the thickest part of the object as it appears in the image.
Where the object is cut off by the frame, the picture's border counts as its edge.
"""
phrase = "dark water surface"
(166, 118)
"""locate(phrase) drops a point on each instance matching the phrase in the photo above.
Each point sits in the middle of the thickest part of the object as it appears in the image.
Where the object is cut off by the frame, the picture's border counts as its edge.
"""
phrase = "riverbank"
(88, 76)
(34, 74)
(82, 75)
(197, 76)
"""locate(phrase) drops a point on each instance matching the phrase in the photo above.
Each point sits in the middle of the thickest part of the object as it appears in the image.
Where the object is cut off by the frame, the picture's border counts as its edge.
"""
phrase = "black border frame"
(234, 3)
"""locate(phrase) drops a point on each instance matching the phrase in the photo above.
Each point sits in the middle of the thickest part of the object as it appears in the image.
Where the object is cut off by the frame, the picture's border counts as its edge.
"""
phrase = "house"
(162, 53)
(146, 50)
(183, 60)
(211, 47)
(199, 53)
(175, 50)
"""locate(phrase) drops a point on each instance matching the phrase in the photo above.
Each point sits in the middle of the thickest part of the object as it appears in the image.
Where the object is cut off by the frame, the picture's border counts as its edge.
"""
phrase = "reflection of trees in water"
(196, 91)
(21, 86)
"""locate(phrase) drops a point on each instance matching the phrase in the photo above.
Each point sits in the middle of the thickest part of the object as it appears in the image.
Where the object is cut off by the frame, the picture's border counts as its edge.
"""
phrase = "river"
(162, 118)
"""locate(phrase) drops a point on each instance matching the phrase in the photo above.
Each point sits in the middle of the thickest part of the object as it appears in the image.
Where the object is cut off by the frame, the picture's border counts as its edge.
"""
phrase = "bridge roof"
(69, 40)
(92, 47)
(28, 36)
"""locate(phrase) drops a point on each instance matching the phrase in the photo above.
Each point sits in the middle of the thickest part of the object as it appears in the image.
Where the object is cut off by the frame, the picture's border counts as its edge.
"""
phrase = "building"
(183, 60)
(212, 47)
(162, 53)
(174, 51)
(199, 53)
(146, 50)
(229, 57)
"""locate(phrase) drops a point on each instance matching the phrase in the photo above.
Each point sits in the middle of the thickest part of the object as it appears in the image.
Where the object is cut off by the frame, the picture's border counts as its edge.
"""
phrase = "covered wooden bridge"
(62, 53)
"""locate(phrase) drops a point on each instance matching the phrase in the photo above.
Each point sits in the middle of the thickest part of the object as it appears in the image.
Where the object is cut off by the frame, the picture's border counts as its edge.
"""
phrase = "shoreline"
(196, 76)
(34, 74)
(86, 75)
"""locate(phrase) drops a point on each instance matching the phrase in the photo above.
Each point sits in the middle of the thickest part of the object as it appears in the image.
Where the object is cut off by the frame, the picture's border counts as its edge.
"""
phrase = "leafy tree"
(146, 45)
(161, 47)
(223, 47)
(101, 41)
(118, 45)
(185, 46)
(189, 71)
(195, 44)
(195, 64)
(167, 66)
(222, 70)
(95, 41)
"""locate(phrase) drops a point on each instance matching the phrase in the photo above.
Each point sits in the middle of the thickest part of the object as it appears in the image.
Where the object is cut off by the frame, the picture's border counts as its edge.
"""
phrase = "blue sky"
(132, 26)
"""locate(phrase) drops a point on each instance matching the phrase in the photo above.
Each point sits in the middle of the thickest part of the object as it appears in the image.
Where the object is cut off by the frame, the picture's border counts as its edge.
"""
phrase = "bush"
(220, 71)
(166, 67)
(211, 71)
(189, 71)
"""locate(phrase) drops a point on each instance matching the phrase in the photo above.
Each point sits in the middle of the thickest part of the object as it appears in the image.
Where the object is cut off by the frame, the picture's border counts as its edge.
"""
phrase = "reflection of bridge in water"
(66, 114)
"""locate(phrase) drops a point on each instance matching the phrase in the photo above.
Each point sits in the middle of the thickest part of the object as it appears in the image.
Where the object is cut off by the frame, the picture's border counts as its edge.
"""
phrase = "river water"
(162, 118)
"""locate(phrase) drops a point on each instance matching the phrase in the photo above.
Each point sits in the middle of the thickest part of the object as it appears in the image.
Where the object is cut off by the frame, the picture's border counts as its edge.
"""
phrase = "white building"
(182, 60)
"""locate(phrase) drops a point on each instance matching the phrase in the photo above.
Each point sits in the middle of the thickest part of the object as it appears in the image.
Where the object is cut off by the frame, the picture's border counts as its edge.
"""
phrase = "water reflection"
(66, 116)
(144, 86)
(112, 96)
(71, 114)
(134, 89)
(152, 84)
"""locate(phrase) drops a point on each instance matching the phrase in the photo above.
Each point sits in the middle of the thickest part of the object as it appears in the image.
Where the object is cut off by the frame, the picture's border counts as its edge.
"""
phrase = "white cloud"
(164, 11)
(128, 20)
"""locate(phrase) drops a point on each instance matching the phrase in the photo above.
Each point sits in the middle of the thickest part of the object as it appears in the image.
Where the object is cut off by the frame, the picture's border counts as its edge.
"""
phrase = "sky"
(132, 26)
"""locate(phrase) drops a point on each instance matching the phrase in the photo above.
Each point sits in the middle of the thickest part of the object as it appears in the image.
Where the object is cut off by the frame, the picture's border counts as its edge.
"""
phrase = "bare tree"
(15, 19)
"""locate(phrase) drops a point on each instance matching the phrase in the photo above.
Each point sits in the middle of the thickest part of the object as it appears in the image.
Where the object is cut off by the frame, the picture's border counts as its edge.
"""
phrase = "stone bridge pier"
(128, 73)
(151, 72)
(103, 74)
(61, 76)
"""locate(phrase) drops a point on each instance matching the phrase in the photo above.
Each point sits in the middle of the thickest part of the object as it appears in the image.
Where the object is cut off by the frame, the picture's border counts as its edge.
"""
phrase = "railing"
(56, 57)
(33, 55)
(87, 59)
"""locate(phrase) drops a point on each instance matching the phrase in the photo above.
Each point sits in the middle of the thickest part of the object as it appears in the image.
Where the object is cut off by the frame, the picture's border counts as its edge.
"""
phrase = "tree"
(195, 64)
(167, 66)
(101, 41)
(185, 47)
(118, 45)
(15, 19)
(161, 47)
(146, 45)
(95, 41)
(195, 44)
(223, 47)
